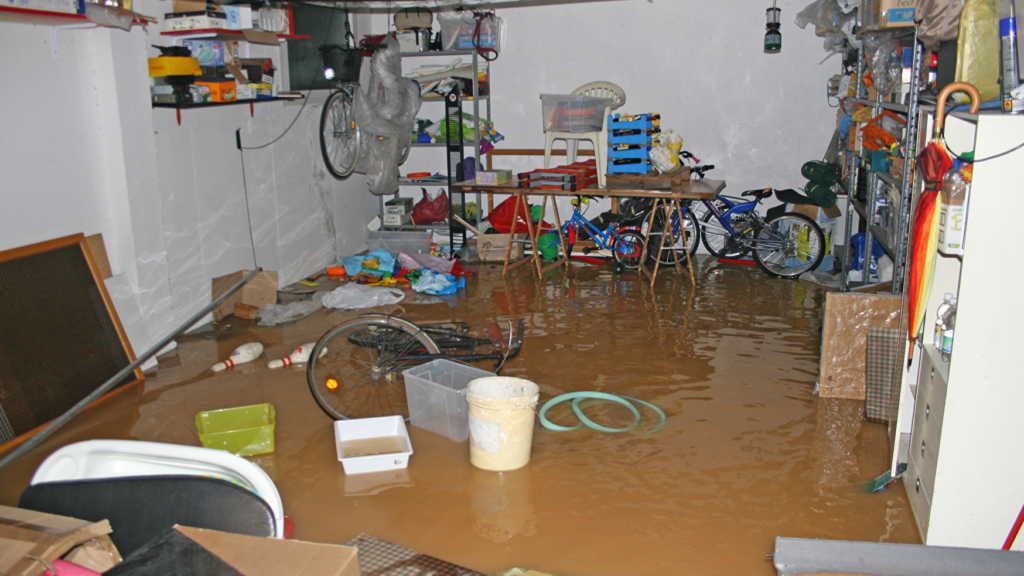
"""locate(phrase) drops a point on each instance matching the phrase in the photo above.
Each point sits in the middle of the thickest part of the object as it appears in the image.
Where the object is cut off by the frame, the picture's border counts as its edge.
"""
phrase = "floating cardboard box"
(259, 291)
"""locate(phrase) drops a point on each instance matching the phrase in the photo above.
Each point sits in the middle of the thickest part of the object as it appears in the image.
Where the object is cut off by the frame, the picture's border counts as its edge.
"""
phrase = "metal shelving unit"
(457, 233)
(893, 242)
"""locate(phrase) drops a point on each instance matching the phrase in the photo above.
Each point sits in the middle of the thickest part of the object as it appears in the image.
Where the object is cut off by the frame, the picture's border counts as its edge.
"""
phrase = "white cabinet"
(965, 465)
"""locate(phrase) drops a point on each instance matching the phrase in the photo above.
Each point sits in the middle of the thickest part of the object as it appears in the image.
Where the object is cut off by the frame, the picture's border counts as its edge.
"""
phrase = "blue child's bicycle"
(626, 243)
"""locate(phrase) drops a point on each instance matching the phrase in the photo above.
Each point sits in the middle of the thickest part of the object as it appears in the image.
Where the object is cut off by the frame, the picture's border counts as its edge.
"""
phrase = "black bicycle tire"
(623, 233)
(346, 329)
(759, 258)
(711, 249)
(343, 172)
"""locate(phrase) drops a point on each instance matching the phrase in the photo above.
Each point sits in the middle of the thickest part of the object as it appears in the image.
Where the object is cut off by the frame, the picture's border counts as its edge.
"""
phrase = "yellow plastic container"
(245, 431)
(501, 415)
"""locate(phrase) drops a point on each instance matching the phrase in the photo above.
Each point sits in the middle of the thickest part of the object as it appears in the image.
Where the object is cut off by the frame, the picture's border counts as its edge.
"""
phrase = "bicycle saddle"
(790, 196)
(759, 194)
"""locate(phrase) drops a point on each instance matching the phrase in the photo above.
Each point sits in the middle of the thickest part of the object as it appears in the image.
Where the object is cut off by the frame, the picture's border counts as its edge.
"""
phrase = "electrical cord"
(942, 137)
(305, 99)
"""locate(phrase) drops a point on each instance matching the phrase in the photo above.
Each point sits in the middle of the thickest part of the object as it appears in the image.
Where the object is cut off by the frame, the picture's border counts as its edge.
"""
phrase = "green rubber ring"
(578, 397)
(594, 425)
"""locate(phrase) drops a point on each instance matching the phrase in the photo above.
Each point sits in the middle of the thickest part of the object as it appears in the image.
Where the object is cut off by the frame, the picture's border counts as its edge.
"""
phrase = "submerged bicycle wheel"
(628, 248)
(360, 376)
(789, 245)
(340, 139)
(675, 242)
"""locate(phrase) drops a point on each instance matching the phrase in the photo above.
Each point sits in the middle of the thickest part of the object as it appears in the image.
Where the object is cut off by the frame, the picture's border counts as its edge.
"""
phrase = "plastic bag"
(385, 111)
(501, 218)
(884, 60)
(428, 211)
(977, 52)
(438, 284)
(663, 159)
(274, 314)
(832, 22)
(940, 21)
(352, 296)
(420, 261)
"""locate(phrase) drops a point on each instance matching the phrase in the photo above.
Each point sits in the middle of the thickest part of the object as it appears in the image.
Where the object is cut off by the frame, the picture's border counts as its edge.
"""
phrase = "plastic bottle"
(954, 186)
(947, 334)
(940, 324)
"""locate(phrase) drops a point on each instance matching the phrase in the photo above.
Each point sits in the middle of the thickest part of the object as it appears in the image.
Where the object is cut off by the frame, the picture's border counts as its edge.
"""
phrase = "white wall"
(82, 150)
(757, 117)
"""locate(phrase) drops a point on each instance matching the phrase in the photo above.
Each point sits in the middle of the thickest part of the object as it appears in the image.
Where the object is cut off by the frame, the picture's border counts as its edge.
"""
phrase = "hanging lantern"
(773, 37)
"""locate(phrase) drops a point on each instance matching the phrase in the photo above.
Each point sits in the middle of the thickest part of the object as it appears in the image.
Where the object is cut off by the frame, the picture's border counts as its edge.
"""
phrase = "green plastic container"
(245, 431)
(548, 245)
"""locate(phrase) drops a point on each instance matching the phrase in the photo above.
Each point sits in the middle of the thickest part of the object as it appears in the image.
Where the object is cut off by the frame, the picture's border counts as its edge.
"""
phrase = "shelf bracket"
(56, 29)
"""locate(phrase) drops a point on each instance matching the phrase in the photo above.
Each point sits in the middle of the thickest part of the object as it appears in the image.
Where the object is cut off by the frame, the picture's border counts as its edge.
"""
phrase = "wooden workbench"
(666, 200)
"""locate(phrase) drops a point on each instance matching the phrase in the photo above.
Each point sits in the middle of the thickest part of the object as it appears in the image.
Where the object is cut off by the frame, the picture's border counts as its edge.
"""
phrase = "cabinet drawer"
(924, 444)
(932, 385)
(919, 496)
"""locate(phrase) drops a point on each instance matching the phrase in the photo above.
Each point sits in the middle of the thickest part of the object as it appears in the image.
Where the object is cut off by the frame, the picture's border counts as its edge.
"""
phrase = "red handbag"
(429, 211)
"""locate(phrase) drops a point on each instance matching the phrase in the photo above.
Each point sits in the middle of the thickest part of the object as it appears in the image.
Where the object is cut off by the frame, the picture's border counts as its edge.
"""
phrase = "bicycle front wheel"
(675, 242)
(340, 139)
(627, 248)
(360, 374)
(789, 245)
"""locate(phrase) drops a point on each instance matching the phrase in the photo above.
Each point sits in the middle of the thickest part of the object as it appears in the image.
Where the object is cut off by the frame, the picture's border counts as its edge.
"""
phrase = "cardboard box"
(826, 219)
(844, 340)
(881, 14)
(188, 6)
(173, 66)
(239, 16)
(47, 536)
(220, 91)
(492, 247)
(397, 219)
(398, 206)
(211, 52)
(493, 177)
(254, 556)
(259, 291)
(195, 21)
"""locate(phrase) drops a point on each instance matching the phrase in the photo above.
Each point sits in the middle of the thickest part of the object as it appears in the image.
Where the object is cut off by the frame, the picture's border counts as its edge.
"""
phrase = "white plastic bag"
(352, 296)
(274, 314)
(661, 157)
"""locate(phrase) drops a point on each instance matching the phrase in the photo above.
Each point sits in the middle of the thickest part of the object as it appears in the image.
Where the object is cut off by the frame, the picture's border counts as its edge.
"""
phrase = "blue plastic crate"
(633, 139)
(639, 168)
(644, 153)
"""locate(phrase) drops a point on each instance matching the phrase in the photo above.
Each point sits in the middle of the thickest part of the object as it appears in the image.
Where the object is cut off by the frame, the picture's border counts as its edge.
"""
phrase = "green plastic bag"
(977, 51)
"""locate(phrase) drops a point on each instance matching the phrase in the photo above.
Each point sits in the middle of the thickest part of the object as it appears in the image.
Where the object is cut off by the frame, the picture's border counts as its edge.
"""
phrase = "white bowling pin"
(300, 355)
(241, 355)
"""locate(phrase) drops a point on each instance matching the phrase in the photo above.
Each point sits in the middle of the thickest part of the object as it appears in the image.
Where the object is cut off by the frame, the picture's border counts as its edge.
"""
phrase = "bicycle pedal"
(588, 250)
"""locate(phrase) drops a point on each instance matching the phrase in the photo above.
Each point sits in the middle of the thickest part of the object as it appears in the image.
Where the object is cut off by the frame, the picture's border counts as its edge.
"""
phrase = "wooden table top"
(688, 190)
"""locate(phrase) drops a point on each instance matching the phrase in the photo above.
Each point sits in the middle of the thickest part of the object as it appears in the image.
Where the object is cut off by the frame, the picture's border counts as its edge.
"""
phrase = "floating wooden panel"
(60, 337)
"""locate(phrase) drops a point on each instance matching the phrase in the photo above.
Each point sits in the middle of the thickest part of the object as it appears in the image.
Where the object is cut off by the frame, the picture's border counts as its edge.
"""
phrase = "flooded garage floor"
(748, 452)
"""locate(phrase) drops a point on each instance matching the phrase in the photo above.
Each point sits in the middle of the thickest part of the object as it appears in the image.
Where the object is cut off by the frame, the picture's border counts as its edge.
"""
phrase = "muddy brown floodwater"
(748, 452)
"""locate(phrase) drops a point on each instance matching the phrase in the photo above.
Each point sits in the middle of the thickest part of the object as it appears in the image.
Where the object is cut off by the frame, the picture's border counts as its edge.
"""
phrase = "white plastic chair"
(598, 139)
(122, 458)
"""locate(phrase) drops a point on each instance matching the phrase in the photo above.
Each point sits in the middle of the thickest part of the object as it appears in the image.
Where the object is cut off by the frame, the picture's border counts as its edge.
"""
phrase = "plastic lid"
(947, 296)
(952, 301)
(957, 164)
(1007, 26)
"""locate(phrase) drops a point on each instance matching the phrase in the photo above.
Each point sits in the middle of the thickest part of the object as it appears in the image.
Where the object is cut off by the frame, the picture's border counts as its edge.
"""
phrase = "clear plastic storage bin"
(395, 242)
(436, 393)
(458, 28)
(568, 113)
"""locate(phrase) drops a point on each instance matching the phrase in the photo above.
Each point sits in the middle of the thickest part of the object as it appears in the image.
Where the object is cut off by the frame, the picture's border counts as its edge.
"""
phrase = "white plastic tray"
(124, 458)
(361, 428)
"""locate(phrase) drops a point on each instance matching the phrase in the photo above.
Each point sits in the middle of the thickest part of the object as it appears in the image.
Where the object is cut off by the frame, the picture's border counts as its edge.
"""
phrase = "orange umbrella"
(933, 163)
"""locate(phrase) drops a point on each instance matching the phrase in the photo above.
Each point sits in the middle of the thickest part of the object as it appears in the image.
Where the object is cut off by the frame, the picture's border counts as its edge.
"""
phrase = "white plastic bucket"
(501, 414)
